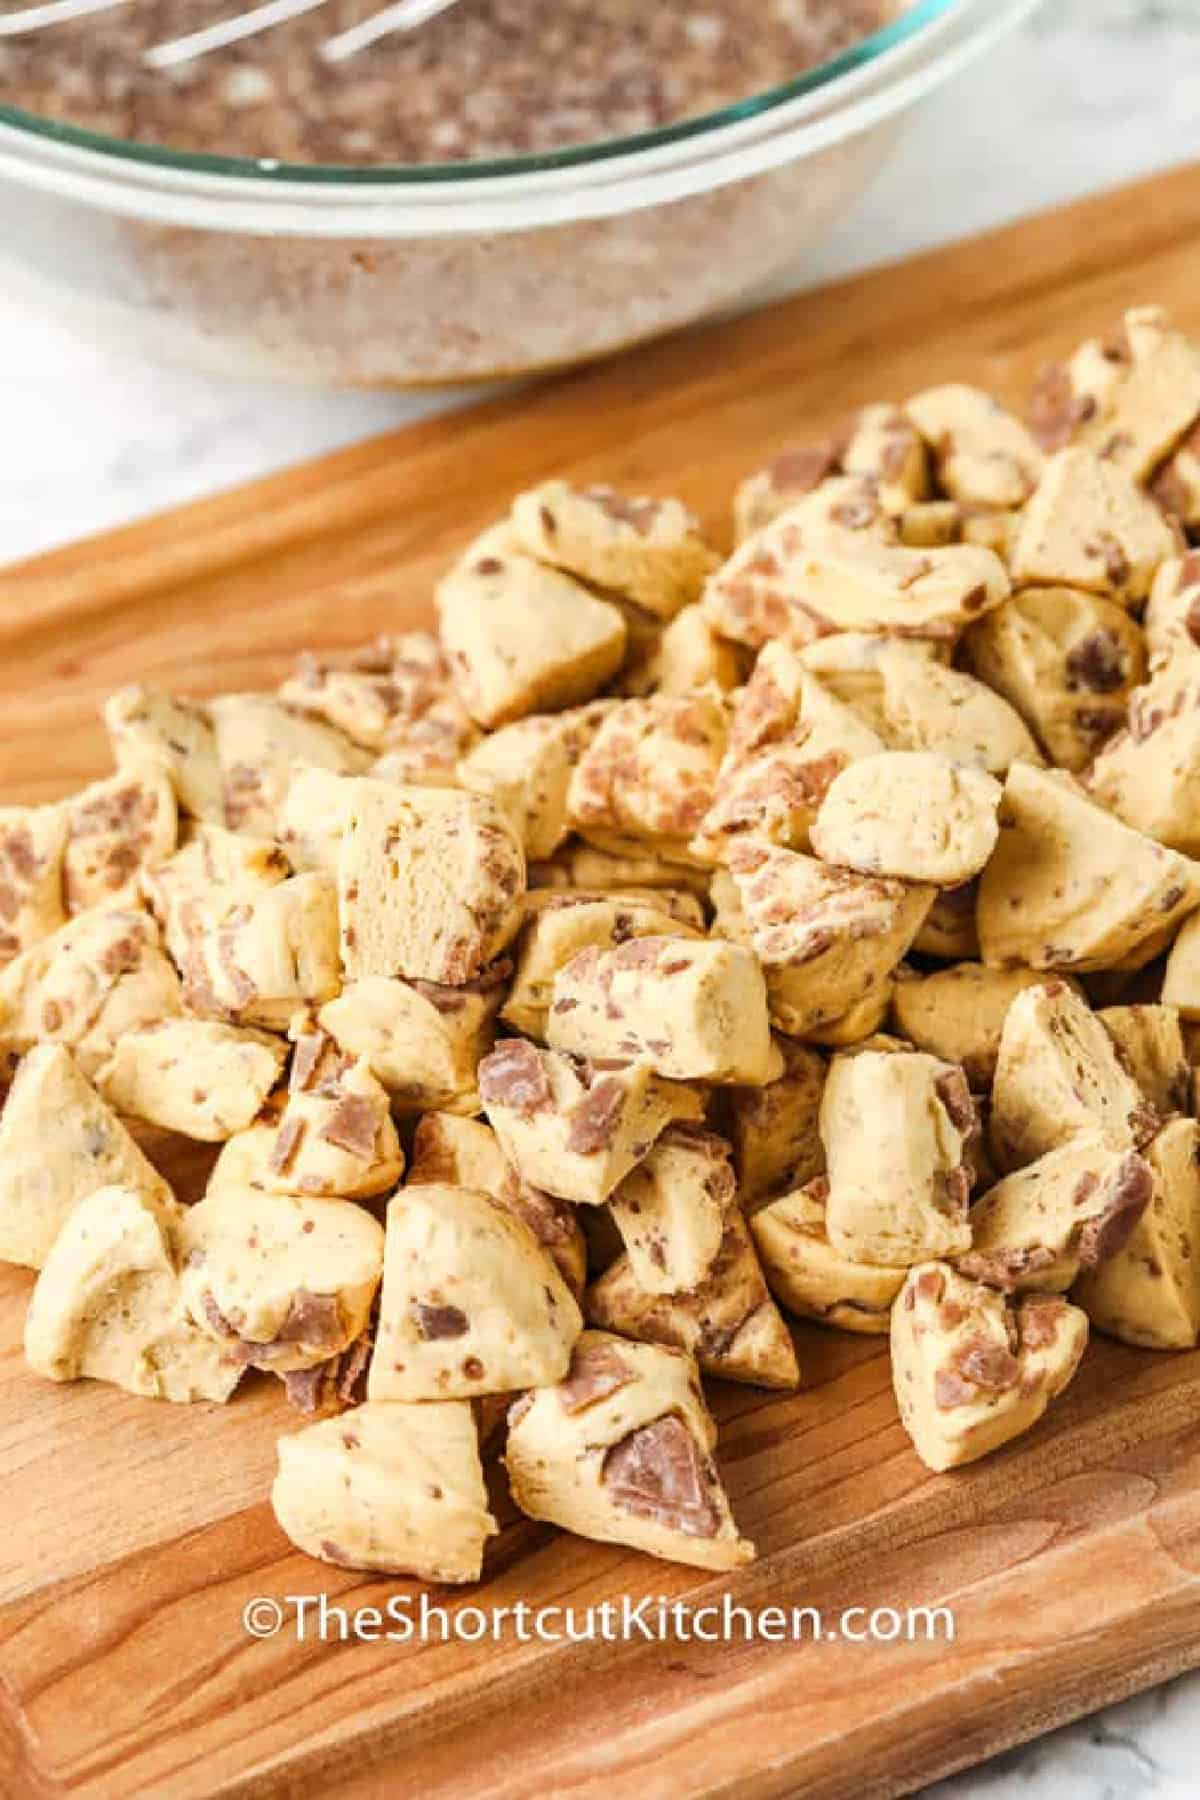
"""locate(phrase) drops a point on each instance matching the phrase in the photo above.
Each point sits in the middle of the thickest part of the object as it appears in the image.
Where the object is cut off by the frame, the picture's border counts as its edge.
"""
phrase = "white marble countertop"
(1090, 93)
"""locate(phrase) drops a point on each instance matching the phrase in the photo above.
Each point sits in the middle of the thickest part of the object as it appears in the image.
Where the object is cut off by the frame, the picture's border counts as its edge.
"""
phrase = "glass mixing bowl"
(458, 272)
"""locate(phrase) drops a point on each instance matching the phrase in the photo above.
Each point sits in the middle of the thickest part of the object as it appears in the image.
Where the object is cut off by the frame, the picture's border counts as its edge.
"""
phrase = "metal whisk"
(403, 15)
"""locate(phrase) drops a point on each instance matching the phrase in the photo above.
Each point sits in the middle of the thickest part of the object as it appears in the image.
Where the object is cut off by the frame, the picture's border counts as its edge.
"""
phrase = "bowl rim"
(793, 133)
(858, 58)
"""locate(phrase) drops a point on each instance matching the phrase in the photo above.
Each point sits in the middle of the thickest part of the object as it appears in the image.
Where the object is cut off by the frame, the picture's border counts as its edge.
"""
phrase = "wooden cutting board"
(132, 1534)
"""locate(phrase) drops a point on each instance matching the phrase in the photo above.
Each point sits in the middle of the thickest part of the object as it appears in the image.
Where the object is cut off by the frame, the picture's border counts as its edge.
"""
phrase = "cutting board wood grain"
(132, 1534)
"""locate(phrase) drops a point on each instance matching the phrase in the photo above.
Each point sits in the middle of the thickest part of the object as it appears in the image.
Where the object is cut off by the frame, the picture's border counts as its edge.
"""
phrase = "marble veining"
(1089, 93)
(1143, 1749)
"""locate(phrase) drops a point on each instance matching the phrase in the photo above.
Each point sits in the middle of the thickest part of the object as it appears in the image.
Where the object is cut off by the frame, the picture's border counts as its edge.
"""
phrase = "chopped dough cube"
(332, 1385)
(466, 1153)
(1176, 486)
(688, 654)
(958, 1013)
(785, 480)
(471, 1302)
(150, 729)
(200, 1078)
(1148, 394)
(313, 816)
(526, 769)
(1067, 661)
(972, 1370)
(786, 701)
(992, 530)
(773, 1129)
(948, 928)
(785, 750)
(1089, 525)
(1057, 1073)
(212, 864)
(835, 562)
(883, 447)
(59, 1142)
(108, 1304)
(1149, 1043)
(1149, 774)
(1172, 617)
(1069, 886)
(918, 704)
(332, 1135)
(558, 924)
(621, 1451)
(261, 745)
(727, 1319)
(1181, 982)
(426, 752)
(245, 1158)
(909, 814)
(282, 1282)
(394, 696)
(567, 1127)
(1072, 1209)
(422, 1041)
(828, 939)
(521, 637)
(808, 1276)
(215, 872)
(32, 841)
(695, 1009)
(650, 771)
(670, 1210)
(929, 524)
(896, 1126)
(429, 884)
(865, 1019)
(1067, 394)
(116, 828)
(755, 597)
(95, 978)
(1149, 1292)
(879, 445)
(651, 551)
(394, 1489)
(583, 866)
(849, 665)
(984, 456)
(259, 959)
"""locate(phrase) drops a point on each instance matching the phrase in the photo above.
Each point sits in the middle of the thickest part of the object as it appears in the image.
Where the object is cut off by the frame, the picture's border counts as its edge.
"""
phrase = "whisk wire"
(54, 12)
(403, 15)
(227, 31)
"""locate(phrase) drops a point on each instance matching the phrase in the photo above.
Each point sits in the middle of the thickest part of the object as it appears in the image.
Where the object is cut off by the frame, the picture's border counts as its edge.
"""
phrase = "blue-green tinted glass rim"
(921, 13)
